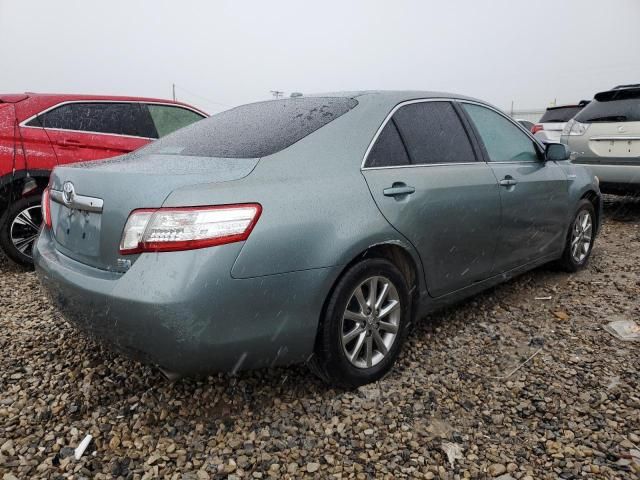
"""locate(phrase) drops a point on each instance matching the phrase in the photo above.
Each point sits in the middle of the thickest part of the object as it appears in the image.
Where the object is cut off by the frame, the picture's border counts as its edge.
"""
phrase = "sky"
(224, 53)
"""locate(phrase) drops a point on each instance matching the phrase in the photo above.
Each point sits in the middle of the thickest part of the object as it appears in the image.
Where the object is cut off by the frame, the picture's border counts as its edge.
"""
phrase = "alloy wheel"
(24, 229)
(371, 321)
(581, 236)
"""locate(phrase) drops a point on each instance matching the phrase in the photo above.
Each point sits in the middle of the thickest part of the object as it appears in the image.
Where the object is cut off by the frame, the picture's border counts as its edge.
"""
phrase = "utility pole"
(174, 91)
(512, 108)
(277, 93)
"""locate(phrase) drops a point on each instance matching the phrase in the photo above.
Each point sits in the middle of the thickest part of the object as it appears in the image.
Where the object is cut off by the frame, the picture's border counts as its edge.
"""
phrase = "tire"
(22, 220)
(331, 360)
(570, 261)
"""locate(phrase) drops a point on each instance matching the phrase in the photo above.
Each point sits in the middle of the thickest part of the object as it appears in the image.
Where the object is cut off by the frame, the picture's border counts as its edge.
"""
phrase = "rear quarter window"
(167, 118)
(254, 130)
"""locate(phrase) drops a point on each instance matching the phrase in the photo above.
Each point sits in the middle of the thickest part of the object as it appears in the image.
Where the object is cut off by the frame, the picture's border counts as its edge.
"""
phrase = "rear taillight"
(46, 208)
(536, 128)
(575, 128)
(186, 228)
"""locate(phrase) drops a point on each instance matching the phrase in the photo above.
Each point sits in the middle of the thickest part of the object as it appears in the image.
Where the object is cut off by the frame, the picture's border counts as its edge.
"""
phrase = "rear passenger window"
(388, 151)
(114, 118)
(433, 133)
(168, 119)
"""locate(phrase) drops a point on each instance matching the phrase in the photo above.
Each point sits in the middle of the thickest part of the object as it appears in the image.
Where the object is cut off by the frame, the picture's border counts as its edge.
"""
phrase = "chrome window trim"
(426, 165)
(23, 124)
(79, 202)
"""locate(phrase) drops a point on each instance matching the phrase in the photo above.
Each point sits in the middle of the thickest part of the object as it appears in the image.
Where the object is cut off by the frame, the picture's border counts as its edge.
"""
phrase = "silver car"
(605, 136)
(311, 229)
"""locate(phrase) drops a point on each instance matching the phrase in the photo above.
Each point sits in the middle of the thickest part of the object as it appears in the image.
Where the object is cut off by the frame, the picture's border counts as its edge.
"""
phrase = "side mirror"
(556, 152)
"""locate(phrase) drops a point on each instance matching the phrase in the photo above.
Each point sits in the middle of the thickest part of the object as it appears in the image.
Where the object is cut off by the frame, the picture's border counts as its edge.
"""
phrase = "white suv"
(550, 126)
(605, 135)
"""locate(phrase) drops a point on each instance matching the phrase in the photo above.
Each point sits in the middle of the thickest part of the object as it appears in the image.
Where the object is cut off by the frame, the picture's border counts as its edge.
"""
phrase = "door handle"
(397, 190)
(69, 143)
(508, 181)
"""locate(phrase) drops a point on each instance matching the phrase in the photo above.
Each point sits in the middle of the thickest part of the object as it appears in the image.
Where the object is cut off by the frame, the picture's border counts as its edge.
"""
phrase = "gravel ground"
(571, 411)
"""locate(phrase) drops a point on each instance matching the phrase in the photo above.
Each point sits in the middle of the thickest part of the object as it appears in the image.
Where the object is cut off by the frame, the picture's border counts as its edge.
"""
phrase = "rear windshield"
(254, 130)
(613, 106)
(562, 114)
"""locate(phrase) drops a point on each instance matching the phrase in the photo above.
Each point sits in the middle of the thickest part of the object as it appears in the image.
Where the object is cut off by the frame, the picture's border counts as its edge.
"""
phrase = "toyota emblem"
(68, 193)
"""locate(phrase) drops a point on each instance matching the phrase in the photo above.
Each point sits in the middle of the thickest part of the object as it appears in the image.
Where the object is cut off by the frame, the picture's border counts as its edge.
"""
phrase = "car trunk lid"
(92, 201)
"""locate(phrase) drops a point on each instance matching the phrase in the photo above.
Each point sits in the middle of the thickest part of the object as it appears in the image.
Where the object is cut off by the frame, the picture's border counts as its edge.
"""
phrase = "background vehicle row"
(40, 131)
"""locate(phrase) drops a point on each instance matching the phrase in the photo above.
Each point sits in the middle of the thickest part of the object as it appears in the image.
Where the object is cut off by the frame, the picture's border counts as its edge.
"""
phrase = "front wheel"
(19, 228)
(580, 238)
(363, 326)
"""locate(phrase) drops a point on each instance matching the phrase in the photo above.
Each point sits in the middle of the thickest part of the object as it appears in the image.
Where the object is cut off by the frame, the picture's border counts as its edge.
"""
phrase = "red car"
(40, 131)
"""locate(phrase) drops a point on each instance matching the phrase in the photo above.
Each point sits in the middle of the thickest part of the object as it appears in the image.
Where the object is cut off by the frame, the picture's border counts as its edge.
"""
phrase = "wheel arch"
(407, 262)
(22, 184)
(595, 199)
(402, 257)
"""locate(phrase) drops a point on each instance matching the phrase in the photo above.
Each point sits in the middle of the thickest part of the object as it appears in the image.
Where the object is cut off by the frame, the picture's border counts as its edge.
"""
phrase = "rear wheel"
(19, 228)
(363, 326)
(580, 238)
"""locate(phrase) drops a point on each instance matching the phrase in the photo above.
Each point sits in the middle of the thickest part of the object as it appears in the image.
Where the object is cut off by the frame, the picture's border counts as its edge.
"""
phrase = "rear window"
(559, 115)
(613, 106)
(254, 130)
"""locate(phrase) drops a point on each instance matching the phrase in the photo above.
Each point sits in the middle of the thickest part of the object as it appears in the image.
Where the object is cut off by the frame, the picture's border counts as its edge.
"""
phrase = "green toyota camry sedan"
(311, 229)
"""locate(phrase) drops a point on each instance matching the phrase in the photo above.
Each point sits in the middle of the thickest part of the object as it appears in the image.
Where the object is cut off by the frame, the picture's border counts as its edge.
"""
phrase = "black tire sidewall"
(337, 367)
(5, 225)
(568, 259)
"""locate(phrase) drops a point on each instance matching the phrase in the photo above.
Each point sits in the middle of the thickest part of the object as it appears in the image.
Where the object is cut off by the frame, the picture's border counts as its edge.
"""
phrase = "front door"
(533, 192)
(424, 176)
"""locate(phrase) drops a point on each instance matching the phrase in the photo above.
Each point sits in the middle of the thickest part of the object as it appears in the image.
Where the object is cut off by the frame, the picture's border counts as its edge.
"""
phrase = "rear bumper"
(173, 310)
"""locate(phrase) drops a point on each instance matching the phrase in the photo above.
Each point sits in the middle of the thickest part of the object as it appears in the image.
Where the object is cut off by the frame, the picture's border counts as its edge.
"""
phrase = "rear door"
(425, 178)
(94, 130)
(533, 193)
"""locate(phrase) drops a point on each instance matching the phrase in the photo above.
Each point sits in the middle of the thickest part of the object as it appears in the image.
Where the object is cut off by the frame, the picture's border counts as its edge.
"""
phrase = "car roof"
(630, 85)
(391, 98)
(402, 95)
(66, 97)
